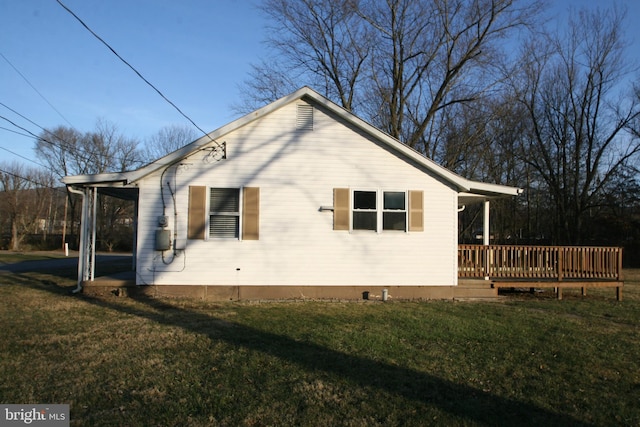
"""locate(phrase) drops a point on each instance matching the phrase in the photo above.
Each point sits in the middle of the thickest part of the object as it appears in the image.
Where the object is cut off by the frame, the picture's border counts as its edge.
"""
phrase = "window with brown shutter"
(225, 217)
(251, 213)
(341, 209)
(196, 215)
(416, 210)
(378, 211)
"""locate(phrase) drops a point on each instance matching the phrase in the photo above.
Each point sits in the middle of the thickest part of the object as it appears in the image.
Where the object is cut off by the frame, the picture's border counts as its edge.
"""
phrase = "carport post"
(86, 257)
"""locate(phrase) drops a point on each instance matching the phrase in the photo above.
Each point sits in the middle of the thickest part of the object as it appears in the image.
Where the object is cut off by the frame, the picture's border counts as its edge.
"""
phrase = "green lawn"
(530, 360)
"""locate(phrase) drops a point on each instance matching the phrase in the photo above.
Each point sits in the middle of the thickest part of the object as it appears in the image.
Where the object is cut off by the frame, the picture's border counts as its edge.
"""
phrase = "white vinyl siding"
(297, 173)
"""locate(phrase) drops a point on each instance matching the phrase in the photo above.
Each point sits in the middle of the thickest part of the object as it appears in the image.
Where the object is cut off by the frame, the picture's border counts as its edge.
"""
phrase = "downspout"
(82, 237)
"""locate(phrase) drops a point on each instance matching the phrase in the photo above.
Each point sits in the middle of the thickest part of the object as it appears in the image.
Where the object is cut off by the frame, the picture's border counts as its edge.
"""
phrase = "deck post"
(619, 293)
(560, 263)
(619, 275)
(584, 291)
(559, 292)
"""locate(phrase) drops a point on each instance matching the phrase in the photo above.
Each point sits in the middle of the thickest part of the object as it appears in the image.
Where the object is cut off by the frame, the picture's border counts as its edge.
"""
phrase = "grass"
(531, 360)
(9, 257)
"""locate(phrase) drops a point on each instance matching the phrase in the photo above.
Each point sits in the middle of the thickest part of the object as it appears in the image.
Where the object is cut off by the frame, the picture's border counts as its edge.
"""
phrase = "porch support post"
(485, 239)
(485, 228)
(82, 261)
(135, 235)
(92, 248)
(87, 256)
(84, 257)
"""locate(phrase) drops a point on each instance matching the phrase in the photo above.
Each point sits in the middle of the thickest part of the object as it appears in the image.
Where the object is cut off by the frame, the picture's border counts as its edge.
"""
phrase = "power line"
(24, 117)
(15, 131)
(20, 127)
(67, 146)
(136, 71)
(36, 90)
(26, 158)
(64, 145)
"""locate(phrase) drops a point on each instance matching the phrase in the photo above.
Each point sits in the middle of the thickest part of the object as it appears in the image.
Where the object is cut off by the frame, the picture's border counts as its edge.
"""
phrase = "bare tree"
(581, 111)
(23, 199)
(323, 42)
(399, 63)
(168, 140)
(433, 55)
(69, 152)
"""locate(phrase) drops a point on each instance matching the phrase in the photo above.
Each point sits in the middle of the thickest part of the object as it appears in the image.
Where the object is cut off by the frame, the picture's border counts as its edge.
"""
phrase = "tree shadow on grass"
(467, 403)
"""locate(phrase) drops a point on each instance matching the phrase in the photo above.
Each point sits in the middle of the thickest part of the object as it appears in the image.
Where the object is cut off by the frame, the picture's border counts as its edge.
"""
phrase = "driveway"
(56, 263)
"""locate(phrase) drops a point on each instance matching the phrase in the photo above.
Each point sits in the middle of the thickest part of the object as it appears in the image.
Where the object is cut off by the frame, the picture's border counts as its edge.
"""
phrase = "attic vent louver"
(304, 120)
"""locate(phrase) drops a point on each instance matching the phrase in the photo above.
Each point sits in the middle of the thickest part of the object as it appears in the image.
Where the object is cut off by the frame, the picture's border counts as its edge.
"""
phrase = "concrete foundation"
(248, 293)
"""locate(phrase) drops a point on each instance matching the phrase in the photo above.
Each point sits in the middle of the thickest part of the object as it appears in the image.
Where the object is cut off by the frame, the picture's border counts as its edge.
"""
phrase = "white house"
(300, 198)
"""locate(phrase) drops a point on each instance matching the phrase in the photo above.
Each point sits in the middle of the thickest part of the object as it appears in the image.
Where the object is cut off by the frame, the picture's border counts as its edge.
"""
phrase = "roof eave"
(483, 191)
(461, 184)
(103, 179)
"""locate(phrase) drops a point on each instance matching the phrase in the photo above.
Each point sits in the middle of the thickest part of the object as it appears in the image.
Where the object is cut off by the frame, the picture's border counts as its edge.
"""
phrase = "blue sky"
(196, 52)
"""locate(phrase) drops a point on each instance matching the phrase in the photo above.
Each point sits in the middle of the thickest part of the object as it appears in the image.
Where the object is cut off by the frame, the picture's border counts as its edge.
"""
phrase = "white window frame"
(353, 210)
(405, 210)
(380, 210)
(237, 214)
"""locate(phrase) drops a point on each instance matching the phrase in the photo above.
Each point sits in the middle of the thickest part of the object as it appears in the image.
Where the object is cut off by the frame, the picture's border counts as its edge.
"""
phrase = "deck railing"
(540, 262)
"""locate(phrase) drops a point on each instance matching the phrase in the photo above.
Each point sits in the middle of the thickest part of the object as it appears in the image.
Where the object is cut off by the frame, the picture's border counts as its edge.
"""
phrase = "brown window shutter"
(416, 210)
(251, 213)
(341, 209)
(197, 212)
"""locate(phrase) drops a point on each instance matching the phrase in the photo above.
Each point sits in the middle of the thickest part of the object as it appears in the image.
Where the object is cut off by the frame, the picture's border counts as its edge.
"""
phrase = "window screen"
(224, 213)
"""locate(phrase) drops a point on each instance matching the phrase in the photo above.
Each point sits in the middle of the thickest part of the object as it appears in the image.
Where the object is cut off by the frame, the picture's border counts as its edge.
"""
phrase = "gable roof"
(462, 184)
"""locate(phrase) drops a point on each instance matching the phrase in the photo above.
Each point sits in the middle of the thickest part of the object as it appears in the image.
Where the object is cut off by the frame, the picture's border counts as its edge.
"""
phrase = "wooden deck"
(558, 267)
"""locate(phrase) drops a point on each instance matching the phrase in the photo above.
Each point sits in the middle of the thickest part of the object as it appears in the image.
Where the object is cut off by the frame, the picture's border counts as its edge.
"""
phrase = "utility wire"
(22, 128)
(64, 145)
(36, 90)
(136, 71)
(26, 118)
(15, 131)
(67, 146)
(26, 158)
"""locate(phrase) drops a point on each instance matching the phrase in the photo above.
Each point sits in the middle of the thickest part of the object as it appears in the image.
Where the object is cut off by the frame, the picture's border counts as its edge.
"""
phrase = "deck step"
(474, 290)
